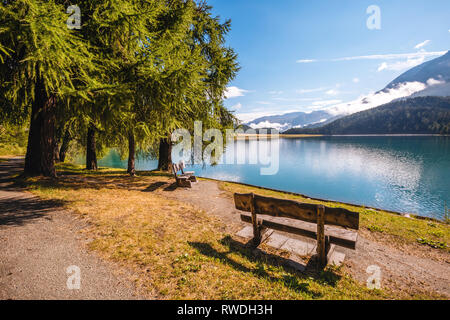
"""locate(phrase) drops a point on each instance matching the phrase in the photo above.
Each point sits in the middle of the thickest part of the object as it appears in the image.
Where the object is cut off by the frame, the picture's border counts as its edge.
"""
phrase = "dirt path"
(39, 241)
(400, 268)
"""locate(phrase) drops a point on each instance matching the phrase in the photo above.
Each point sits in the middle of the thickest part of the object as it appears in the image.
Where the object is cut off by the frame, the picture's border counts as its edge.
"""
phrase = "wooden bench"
(185, 179)
(313, 219)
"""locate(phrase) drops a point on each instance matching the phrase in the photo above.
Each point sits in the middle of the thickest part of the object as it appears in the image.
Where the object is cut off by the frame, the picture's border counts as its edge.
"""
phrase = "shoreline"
(281, 135)
(403, 214)
(406, 215)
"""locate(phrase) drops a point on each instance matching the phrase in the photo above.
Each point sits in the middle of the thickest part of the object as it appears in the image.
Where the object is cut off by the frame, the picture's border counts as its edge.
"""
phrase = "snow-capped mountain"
(431, 78)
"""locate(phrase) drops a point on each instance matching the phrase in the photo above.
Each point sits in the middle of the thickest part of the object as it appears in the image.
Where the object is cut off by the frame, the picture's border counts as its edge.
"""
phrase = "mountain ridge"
(421, 115)
(433, 76)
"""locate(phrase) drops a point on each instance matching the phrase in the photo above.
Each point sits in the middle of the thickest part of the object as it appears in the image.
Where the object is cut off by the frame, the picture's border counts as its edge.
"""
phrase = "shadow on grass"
(292, 279)
(87, 180)
(19, 211)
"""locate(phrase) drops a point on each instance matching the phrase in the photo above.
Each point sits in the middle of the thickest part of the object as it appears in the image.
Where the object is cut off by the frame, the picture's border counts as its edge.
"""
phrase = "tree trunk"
(64, 146)
(165, 155)
(91, 153)
(56, 152)
(131, 154)
(40, 158)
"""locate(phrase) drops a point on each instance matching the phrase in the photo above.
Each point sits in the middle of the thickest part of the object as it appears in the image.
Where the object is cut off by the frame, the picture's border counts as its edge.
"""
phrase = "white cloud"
(332, 92)
(302, 91)
(306, 61)
(422, 44)
(411, 58)
(355, 80)
(234, 92)
(276, 92)
(250, 116)
(401, 65)
(236, 107)
(256, 114)
(393, 56)
(434, 82)
(376, 99)
(268, 124)
(296, 99)
(326, 102)
(263, 103)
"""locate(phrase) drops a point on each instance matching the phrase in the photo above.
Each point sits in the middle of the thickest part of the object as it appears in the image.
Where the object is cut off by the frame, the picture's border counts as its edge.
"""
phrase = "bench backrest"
(175, 169)
(295, 210)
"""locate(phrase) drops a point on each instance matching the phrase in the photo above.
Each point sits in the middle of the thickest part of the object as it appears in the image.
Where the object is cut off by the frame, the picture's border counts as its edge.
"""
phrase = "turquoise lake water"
(404, 174)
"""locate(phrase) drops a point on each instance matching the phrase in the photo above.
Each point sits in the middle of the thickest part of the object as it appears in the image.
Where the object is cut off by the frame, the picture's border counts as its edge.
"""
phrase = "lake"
(408, 174)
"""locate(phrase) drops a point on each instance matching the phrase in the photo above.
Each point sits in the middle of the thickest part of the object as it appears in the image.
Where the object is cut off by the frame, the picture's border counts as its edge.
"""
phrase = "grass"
(11, 150)
(379, 223)
(178, 252)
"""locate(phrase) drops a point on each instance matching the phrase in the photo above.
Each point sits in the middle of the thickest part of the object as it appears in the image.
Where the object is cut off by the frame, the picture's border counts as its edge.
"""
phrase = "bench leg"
(184, 183)
(256, 226)
(256, 231)
(321, 241)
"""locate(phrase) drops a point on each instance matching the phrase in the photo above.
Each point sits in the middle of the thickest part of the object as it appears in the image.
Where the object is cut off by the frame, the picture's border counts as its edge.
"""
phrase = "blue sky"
(272, 38)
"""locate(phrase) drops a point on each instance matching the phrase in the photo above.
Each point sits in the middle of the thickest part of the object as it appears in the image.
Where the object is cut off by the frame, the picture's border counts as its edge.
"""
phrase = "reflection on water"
(405, 174)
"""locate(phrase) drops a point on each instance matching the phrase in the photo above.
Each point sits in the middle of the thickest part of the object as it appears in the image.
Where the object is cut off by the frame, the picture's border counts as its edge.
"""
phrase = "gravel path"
(39, 241)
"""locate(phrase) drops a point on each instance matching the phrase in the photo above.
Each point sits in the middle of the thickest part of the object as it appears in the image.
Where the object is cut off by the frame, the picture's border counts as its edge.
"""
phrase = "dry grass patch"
(179, 252)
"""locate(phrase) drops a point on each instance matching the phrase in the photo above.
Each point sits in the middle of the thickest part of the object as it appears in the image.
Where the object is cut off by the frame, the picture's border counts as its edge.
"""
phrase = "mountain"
(291, 120)
(422, 115)
(434, 74)
(430, 79)
(437, 69)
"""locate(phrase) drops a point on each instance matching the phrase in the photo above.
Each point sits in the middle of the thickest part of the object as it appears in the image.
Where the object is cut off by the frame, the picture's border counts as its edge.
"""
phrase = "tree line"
(133, 73)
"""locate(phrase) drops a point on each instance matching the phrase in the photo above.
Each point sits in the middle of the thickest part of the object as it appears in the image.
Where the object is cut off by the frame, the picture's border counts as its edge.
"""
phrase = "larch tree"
(43, 64)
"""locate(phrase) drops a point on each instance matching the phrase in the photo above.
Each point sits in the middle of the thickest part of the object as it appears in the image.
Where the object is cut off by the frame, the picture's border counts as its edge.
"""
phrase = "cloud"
(332, 92)
(276, 92)
(295, 99)
(393, 56)
(376, 99)
(401, 65)
(412, 59)
(234, 92)
(422, 44)
(268, 124)
(306, 61)
(355, 80)
(434, 82)
(236, 107)
(326, 102)
(303, 91)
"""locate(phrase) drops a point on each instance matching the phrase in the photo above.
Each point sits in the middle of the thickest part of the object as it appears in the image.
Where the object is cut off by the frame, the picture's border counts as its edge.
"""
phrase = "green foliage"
(375, 228)
(13, 140)
(136, 67)
(432, 243)
(42, 50)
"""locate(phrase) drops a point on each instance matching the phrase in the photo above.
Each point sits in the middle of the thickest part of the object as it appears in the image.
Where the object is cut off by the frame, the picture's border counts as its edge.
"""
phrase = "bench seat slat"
(340, 237)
